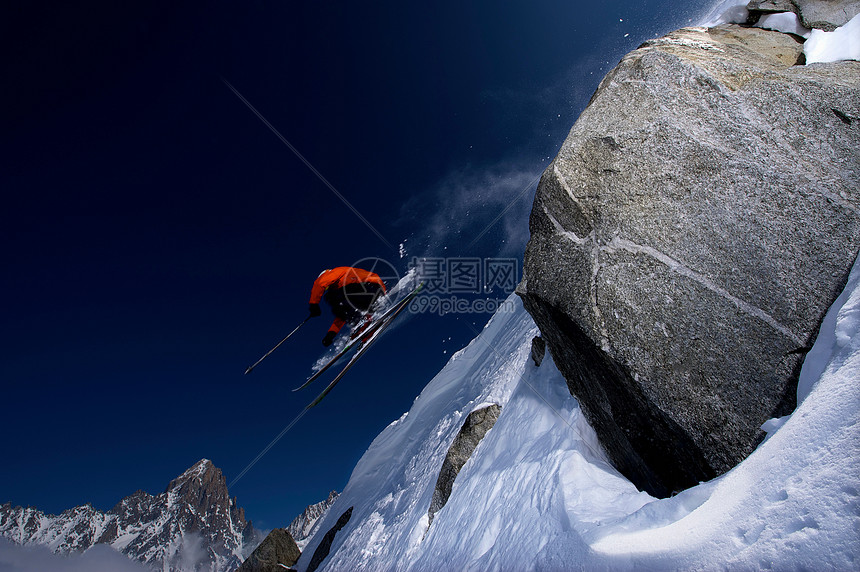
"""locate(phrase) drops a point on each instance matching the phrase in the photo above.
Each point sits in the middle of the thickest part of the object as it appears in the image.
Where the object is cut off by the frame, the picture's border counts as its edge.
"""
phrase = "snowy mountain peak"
(193, 524)
(202, 471)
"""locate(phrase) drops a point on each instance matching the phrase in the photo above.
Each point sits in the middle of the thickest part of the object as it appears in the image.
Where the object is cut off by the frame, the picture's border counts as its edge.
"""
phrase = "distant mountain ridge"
(192, 525)
(304, 526)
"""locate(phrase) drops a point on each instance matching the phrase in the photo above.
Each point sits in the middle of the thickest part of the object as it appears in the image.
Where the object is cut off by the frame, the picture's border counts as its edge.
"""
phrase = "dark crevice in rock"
(538, 350)
(843, 117)
(324, 547)
(801, 59)
(788, 403)
(473, 430)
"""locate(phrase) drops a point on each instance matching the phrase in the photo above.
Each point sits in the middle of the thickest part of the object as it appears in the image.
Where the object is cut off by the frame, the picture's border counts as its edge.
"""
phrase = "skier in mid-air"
(349, 291)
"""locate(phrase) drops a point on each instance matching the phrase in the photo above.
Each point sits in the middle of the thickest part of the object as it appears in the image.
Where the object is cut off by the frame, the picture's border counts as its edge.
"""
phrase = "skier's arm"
(317, 292)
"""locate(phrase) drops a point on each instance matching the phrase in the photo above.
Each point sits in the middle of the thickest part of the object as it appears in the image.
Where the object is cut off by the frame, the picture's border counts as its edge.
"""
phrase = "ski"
(349, 345)
(368, 341)
(363, 335)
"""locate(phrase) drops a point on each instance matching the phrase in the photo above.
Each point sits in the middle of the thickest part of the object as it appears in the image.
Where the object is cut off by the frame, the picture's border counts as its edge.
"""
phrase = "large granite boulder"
(687, 240)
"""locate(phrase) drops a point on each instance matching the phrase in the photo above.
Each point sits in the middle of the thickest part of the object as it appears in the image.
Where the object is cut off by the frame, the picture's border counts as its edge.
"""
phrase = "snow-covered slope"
(538, 494)
(392, 485)
(192, 525)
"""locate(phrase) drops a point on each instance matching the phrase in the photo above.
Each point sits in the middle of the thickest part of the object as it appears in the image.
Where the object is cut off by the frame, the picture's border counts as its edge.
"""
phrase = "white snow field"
(538, 494)
(840, 44)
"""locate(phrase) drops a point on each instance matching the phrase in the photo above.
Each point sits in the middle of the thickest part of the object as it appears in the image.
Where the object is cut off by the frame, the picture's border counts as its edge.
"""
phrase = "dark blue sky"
(157, 238)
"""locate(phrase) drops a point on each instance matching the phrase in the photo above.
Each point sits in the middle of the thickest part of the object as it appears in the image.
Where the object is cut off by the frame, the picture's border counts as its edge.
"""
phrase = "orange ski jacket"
(338, 278)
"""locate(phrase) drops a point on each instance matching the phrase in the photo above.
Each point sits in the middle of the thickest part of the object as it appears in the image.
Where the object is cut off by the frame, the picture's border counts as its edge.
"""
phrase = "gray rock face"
(770, 6)
(823, 14)
(473, 430)
(685, 243)
(275, 554)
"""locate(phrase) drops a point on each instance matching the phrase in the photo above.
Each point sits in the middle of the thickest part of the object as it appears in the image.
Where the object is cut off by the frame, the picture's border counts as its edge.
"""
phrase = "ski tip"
(249, 370)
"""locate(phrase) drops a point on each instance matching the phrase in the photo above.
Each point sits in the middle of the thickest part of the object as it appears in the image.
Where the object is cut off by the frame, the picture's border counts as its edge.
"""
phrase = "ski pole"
(247, 371)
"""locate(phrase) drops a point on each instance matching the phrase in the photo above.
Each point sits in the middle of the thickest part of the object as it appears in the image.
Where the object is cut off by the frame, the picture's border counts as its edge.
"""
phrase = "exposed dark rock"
(538, 350)
(473, 430)
(325, 546)
(698, 221)
(275, 554)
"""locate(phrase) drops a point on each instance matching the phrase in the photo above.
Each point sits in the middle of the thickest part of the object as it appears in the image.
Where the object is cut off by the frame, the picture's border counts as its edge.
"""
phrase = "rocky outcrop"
(473, 430)
(324, 546)
(685, 243)
(193, 523)
(826, 15)
(278, 552)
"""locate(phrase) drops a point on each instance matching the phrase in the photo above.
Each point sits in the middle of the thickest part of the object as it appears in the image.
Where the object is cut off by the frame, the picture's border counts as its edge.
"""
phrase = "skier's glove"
(329, 338)
(315, 310)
